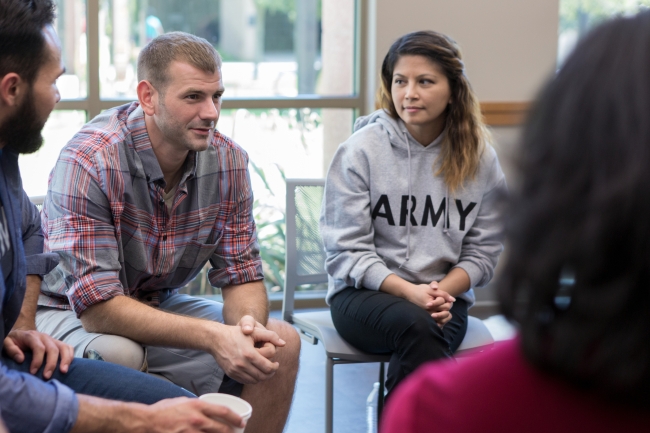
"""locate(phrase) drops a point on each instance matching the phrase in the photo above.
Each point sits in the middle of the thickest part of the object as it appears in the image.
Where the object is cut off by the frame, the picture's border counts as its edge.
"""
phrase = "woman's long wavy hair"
(466, 134)
(583, 213)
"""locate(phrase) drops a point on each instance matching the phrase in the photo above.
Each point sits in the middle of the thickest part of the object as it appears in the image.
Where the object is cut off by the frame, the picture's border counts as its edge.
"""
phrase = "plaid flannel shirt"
(105, 216)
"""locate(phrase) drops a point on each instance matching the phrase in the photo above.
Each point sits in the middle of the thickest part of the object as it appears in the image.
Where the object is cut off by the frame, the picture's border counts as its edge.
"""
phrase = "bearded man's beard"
(21, 132)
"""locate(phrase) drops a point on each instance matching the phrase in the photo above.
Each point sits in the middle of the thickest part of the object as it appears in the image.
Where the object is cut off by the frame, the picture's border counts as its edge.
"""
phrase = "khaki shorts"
(194, 370)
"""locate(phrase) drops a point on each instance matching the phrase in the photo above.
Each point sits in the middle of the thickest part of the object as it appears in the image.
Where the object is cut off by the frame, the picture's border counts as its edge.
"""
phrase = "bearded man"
(42, 389)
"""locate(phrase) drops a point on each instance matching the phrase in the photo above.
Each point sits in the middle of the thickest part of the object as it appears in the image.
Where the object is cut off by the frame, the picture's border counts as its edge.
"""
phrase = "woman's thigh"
(376, 322)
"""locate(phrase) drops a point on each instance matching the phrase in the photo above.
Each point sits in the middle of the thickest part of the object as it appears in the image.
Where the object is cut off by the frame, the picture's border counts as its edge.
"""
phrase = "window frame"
(93, 104)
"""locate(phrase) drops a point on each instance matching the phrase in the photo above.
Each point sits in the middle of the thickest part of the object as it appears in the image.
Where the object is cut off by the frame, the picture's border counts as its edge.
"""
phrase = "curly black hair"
(22, 43)
(579, 229)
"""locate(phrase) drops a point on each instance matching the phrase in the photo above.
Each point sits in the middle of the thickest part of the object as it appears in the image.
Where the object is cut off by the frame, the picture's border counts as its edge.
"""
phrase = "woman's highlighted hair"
(465, 132)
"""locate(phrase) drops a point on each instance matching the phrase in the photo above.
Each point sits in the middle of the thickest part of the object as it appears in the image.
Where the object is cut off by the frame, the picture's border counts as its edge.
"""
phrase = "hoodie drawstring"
(410, 204)
(445, 225)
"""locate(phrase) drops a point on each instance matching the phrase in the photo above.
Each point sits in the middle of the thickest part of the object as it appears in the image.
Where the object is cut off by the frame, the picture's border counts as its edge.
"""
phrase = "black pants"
(378, 322)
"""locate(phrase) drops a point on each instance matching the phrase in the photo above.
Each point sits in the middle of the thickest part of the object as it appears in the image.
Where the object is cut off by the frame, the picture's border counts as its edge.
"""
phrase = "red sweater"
(498, 392)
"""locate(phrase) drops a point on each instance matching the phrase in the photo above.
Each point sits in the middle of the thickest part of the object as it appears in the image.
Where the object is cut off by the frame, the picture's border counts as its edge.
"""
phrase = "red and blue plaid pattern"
(105, 216)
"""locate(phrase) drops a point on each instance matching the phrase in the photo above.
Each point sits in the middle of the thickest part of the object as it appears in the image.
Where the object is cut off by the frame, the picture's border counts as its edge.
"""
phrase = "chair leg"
(382, 387)
(329, 395)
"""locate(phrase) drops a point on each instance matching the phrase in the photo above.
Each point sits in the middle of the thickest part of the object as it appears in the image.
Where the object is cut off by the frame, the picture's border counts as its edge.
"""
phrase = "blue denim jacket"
(27, 403)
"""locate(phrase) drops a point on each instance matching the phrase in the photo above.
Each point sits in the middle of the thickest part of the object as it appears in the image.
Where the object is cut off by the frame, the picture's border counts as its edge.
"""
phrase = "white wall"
(509, 46)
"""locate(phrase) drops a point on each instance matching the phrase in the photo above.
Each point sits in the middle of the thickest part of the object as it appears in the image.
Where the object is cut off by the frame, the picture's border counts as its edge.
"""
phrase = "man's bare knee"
(118, 350)
(288, 333)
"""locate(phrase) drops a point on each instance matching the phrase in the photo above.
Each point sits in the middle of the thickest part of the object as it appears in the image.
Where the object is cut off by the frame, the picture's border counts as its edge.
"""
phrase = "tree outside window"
(577, 17)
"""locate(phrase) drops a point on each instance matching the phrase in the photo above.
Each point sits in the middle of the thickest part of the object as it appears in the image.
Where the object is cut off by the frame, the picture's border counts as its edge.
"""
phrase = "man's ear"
(12, 88)
(148, 97)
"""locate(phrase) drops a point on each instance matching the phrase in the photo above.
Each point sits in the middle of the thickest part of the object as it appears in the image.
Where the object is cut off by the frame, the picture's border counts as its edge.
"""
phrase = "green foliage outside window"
(270, 222)
(577, 17)
(271, 228)
(269, 183)
(581, 15)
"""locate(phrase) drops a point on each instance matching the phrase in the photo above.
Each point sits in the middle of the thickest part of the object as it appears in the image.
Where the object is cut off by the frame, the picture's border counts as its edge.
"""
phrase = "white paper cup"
(236, 404)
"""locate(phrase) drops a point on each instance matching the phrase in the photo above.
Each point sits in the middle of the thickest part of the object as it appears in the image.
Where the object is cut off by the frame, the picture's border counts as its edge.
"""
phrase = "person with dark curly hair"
(578, 265)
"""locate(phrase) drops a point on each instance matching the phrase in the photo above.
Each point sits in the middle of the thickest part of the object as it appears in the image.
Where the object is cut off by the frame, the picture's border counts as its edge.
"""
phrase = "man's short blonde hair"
(157, 55)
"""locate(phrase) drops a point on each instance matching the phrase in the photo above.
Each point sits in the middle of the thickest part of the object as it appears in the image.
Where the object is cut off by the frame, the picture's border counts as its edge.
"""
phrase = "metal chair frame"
(317, 326)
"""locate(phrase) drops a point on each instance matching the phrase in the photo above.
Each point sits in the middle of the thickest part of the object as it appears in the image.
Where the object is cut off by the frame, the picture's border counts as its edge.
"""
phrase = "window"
(35, 168)
(270, 47)
(291, 71)
(577, 17)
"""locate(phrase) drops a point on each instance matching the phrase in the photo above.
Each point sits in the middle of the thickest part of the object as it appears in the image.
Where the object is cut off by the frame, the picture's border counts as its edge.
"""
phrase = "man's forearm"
(245, 299)
(233, 349)
(99, 415)
(147, 325)
(27, 318)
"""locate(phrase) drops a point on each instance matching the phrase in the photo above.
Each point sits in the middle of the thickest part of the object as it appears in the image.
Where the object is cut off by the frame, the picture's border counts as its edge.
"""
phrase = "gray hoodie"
(365, 224)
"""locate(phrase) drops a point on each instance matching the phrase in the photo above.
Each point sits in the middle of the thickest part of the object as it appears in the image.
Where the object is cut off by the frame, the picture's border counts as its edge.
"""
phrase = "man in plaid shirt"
(139, 200)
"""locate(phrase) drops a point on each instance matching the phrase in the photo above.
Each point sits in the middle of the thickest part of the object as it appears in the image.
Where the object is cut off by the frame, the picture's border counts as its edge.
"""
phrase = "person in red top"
(578, 266)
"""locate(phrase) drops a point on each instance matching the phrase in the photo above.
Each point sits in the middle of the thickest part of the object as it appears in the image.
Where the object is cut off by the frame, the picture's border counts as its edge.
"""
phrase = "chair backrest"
(305, 255)
(38, 201)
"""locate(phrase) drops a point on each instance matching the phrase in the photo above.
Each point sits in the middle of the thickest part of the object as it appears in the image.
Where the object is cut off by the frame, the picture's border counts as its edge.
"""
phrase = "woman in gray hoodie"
(401, 270)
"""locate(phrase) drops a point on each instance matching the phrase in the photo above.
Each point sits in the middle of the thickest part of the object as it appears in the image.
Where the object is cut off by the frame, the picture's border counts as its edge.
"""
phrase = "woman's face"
(420, 92)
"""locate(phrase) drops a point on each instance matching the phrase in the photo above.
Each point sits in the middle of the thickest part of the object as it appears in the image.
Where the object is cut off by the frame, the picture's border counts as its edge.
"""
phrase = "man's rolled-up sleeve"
(80, 229)
(31, 405)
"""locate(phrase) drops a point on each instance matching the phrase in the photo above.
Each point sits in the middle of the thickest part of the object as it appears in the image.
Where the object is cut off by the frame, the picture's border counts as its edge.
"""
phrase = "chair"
(305, 260)
(38, 201)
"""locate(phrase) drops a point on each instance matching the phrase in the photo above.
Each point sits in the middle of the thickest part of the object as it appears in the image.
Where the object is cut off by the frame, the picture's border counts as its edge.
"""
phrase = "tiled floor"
(352, 384)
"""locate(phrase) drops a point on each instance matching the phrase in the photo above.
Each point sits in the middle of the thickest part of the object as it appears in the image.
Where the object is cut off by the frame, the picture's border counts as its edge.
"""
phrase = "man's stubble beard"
(21, 132)
(174, 131)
